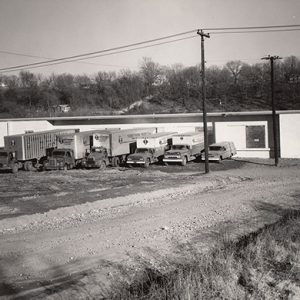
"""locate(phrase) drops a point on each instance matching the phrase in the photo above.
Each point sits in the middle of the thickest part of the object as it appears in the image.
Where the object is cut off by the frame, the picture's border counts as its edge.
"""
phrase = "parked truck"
(150, 149)
(28, 150)
(71, 150)
(111, 147)
(185, 147)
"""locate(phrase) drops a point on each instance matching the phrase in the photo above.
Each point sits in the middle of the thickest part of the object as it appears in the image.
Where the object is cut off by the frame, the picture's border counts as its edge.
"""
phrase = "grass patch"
(261, 265)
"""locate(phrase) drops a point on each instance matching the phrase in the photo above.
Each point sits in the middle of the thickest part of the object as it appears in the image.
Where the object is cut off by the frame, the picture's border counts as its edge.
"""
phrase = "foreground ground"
(67, 232)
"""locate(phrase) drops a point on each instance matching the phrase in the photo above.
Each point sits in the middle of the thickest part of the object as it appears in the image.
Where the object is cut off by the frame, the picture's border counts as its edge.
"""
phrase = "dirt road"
(64, 230)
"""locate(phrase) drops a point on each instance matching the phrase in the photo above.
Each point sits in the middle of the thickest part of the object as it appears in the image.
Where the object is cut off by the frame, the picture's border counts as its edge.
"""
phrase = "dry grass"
(262, 265)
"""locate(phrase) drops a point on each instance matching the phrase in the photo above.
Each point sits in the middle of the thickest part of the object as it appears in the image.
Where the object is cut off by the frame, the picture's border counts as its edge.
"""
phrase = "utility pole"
(203, 35)
(275, 141)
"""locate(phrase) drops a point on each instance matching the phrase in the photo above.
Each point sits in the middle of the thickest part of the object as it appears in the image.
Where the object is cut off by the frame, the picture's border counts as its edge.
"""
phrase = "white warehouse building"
(251, 132)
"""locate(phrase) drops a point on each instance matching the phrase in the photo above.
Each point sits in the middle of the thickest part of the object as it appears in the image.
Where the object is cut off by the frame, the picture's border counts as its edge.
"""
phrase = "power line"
(255, 31)
(101, 51)
(50, 58)
(107, 51)
(100, 55)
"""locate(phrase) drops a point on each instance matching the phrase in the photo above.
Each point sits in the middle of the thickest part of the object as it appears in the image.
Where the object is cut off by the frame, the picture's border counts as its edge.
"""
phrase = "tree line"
(236, 86)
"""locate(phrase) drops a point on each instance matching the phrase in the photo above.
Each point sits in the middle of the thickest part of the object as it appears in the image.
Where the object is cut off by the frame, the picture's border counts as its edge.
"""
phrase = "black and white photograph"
(150, 149)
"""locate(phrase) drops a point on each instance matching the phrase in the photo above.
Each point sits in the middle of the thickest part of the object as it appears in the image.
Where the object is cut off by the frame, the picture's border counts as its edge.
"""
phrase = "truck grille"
(52, 162)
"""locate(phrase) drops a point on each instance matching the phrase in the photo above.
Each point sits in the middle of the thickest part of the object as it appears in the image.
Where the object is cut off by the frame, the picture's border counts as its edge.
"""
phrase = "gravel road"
(48, 250)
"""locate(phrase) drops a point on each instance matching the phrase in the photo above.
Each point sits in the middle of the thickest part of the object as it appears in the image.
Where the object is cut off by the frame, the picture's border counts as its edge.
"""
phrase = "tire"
(147, 163)
(28, 166)
(115, 162)
(15, 168)
(184, 160)
(66, 167)
(102, 165)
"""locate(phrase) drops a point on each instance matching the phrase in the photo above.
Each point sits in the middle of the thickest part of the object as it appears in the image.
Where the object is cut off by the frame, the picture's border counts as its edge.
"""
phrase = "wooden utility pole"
(274, 119)
(203, 35)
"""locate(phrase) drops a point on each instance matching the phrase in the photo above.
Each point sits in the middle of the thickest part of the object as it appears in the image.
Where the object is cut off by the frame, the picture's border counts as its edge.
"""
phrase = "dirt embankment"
(128, 214)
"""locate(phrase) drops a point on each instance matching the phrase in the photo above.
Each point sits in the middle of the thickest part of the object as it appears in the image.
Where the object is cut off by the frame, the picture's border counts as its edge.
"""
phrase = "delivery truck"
(150, 149)
(28, 150)
(71, 150)
(111, 147)
(185, 147)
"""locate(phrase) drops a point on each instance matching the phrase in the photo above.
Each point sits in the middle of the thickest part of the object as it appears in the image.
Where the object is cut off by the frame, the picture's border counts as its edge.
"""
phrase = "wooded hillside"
(236, 86)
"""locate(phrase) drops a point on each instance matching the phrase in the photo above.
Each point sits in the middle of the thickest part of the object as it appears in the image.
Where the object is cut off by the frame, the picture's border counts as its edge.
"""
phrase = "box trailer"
(28, 149)
(150, 149)
(111, 147)
(185, 147)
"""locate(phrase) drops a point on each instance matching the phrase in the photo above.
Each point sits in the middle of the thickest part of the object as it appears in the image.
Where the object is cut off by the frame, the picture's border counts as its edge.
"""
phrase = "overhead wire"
(101, 55)
(122, 49)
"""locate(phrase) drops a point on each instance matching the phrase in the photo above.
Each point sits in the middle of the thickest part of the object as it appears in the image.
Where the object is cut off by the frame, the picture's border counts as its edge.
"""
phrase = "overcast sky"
(60, 28)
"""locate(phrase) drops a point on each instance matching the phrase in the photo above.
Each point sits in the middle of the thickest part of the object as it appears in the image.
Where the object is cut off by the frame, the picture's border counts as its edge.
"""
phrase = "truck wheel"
(115, 161)
(15, 168)
(102, 165)
(66, 167)
(28, 166)
(183, 163)
(147, 163)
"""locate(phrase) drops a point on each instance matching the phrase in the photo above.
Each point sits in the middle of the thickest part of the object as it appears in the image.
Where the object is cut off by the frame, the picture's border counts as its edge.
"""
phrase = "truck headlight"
(129, 158)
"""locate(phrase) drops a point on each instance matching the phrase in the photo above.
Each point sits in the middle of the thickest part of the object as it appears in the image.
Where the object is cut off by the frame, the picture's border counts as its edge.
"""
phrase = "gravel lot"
(64, 229)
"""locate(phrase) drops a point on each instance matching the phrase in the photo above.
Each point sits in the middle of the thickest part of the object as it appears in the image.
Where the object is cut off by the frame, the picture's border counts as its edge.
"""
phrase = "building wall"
(224, 126)
(237, 132)
(290, 135)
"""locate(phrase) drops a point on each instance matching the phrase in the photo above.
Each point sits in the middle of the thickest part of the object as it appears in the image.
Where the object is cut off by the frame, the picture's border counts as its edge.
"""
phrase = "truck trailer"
(28, 150)
(71, 150)
(111, 147)
(150, 149)
(185, 147)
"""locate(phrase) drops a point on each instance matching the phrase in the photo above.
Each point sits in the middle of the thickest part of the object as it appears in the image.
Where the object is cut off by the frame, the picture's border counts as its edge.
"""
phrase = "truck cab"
(185, 147)
(97, 158)
(60, 159)
(143, 157)
(178, 154)
(8, 161)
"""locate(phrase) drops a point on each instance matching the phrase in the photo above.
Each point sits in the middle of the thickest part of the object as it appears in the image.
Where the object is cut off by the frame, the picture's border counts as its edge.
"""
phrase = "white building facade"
(251, 132)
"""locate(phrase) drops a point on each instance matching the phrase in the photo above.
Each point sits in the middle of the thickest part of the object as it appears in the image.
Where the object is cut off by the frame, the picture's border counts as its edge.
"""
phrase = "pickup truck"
(150, 149)
(185, 147)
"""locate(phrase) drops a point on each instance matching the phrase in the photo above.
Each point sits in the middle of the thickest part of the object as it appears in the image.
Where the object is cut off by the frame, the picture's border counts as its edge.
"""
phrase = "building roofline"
(154, 116)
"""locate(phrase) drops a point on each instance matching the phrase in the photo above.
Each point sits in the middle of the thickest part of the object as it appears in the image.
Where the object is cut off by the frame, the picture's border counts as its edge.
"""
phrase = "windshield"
(178, 147)
(3, 154)
(216, 148)
(58, 153)
(141, 150)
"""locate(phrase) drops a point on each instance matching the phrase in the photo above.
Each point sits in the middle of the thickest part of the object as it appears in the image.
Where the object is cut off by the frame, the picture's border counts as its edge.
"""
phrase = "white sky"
(59, 28)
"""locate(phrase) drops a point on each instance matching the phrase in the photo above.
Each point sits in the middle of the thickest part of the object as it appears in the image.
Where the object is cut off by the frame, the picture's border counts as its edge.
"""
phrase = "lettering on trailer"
(66, 141)
(12, 142)
(103, 138)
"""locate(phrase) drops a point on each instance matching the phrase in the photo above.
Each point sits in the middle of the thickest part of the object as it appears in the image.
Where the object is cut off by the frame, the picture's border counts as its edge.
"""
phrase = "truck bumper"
(213, 158)
(5, 167)
(138, 162)
(172, 160)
